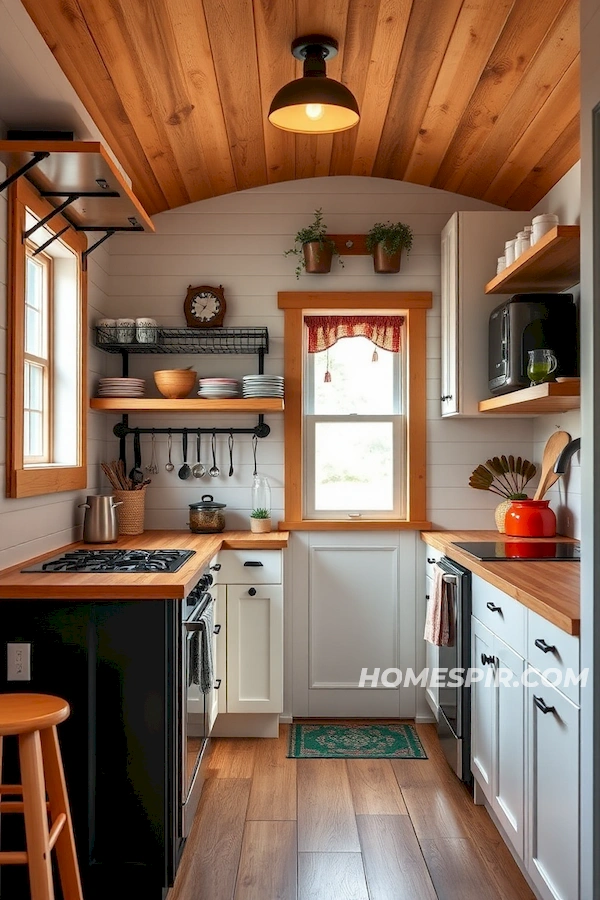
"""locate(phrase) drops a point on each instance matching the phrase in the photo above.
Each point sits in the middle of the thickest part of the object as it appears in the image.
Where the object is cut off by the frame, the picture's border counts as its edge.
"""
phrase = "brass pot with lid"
(206, 516)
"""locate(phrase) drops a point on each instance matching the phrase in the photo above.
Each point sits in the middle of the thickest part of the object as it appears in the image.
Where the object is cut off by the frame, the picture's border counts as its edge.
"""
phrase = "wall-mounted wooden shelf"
(550, 265)
(125, 405)
(553, 397)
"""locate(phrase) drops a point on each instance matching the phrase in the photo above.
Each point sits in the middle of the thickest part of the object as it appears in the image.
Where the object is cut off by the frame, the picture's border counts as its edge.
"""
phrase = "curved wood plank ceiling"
(479, 97)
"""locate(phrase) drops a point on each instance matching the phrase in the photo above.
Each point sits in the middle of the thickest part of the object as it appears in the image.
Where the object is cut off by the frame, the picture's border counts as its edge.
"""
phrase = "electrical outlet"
(18, 662)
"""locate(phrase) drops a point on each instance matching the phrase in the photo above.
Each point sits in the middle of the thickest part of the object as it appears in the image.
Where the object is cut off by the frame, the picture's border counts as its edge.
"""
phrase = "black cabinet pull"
(216, 567)
(430, 560)
(446, 397)
(493, 608)
(217, 684)
(217, 629)
(542, 706)
(427, 596)
(252, 562)
(252, 591)
(487, 660)
(541, 644)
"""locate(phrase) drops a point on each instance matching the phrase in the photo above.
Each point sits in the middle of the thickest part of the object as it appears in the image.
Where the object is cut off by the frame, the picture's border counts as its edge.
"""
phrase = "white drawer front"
(500, 613)
(431, 557)
(555, 650)
(250, 567)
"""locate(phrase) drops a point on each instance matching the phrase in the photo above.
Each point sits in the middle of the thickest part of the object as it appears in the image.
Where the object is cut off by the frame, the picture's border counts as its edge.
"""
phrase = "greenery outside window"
(47, 317)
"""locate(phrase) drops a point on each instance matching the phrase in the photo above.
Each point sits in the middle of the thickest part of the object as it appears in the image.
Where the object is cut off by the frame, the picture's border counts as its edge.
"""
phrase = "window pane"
(354, 466)
(33, 437)
(33, 332)
(36, 387)
(34, 296)
(358, 385)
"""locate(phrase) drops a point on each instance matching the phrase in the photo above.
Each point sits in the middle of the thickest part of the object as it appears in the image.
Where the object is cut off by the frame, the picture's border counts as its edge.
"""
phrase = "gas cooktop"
(104, 561)
(542, 551)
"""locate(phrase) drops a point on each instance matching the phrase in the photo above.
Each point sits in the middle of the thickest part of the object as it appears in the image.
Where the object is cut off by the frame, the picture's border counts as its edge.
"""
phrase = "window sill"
(354, 525)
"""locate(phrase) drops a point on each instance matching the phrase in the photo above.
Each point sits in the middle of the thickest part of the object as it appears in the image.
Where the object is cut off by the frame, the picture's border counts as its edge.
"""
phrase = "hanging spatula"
(555, 444)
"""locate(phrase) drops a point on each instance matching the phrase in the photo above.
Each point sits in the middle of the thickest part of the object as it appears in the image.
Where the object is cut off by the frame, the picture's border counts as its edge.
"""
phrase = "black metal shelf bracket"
(38, 156)
(88, 250)
(51, 240)
(55, 212)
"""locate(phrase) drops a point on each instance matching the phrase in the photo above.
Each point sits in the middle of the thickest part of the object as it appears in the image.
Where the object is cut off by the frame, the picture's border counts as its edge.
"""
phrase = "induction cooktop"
(546, 551)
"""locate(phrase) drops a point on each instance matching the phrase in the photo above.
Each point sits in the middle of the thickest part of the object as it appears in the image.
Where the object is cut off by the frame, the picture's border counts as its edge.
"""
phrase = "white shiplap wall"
(238, 241)
(565, 497)
(37, 524)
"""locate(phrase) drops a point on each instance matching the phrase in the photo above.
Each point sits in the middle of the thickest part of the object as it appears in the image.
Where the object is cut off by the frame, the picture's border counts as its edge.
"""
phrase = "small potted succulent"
(386, 241)
(313, 248)
(505, 476)
(260, 520)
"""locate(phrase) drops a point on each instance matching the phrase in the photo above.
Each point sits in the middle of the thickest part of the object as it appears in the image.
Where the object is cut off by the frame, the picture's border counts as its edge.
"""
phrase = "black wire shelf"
(185, 340)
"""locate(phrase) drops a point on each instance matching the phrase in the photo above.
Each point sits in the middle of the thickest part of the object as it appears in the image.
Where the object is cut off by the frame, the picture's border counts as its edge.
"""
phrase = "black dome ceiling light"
(314, 104)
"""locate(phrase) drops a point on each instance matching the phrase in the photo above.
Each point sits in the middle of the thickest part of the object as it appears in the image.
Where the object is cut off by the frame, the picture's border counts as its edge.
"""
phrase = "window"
(355, 414)
(355, 431)
(47, 317)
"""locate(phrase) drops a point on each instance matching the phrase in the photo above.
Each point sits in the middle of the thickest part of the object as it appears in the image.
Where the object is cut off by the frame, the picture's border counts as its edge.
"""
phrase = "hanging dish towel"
(201, 658)
(439, 623)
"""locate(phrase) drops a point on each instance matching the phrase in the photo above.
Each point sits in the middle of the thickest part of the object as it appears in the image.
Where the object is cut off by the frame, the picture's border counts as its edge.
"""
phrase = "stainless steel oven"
(454, 723)
(194, 704)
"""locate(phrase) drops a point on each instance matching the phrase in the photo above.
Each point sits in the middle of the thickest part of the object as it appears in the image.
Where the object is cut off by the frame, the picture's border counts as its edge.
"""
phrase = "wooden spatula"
(555, 445)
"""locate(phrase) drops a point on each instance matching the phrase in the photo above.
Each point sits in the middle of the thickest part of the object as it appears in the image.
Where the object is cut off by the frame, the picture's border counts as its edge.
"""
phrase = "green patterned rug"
(355, 742)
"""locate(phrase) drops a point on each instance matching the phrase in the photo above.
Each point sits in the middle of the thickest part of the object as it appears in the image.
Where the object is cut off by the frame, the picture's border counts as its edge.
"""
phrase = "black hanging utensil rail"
(262, 430)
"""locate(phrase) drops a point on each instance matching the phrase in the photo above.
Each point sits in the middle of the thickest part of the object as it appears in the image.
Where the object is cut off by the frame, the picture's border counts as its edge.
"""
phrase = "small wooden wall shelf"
(125, 405)
(550, 265)
(553, 397)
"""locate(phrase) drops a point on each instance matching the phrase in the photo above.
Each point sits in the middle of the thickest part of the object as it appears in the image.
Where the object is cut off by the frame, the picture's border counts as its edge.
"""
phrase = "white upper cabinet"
(471, 245)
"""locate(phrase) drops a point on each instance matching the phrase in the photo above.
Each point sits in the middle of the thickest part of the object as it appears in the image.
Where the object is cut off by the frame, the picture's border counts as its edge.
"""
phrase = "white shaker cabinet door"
(432, 660)
(508, 783)
(553, 793)
(482, 708)
(219, 692)
(254, 648)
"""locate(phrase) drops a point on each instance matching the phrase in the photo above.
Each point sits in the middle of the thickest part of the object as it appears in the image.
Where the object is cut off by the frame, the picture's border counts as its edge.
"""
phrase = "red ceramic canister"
(530, 518)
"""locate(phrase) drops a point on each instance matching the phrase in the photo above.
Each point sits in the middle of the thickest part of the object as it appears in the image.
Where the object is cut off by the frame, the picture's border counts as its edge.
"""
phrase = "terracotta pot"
(386, 263)
(260, 526)
(318, 258)
(530, 518)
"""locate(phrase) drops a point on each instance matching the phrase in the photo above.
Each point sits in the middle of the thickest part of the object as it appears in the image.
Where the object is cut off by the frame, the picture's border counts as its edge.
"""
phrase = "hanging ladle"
(214, 469)
(136, 474)
(185, 470)
(254, 446)
(230, 442)
(198, 470)
(169, 466)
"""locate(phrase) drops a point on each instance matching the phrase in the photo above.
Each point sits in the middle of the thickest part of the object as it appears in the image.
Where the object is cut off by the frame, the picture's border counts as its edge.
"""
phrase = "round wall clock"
(204, 306)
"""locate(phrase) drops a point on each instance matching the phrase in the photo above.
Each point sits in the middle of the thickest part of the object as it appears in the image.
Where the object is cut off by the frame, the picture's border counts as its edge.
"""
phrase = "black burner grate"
(114, 561)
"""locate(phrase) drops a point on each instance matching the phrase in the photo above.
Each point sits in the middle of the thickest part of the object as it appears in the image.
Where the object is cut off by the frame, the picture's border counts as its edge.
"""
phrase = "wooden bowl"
(175, 384)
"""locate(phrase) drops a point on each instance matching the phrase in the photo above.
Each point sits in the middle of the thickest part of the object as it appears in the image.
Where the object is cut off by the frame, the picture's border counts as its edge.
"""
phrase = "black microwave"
(531, 322)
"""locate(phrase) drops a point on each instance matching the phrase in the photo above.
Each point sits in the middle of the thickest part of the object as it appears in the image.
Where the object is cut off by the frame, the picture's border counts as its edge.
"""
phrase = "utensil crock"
(530, 518)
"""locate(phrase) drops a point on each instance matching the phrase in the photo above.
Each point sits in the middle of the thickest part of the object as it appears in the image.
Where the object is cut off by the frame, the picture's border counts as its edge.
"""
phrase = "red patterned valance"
(325, 331)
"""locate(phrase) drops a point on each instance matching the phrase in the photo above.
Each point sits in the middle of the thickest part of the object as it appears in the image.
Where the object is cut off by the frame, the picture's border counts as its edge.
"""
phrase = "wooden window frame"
(411, 304)
(30, 480)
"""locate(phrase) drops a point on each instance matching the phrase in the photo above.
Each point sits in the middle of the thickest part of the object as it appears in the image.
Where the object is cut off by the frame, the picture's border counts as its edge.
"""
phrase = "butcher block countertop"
(18, 585)
(550, 589)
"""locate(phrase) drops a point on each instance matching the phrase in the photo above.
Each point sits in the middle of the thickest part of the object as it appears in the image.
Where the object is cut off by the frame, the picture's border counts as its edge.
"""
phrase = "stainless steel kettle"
(100, 525)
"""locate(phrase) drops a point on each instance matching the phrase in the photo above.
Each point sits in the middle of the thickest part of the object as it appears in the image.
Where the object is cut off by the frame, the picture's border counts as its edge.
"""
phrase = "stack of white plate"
(218, 388)
(121, 387)
(263, 385)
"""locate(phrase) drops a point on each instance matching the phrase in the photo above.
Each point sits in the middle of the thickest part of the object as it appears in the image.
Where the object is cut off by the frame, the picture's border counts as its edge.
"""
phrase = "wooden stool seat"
(32, 719)
(22, 713)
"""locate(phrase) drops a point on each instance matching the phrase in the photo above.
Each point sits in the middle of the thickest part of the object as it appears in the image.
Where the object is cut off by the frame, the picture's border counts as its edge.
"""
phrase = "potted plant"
(313, 248)
(385, 241)
(260, 521)
(505, 476)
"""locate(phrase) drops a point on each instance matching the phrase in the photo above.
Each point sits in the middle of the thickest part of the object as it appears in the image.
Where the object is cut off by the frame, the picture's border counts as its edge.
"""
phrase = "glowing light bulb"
(314, 111)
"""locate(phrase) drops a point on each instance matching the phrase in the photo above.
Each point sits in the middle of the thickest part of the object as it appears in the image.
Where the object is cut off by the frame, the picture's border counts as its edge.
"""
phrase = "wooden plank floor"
(269, 828)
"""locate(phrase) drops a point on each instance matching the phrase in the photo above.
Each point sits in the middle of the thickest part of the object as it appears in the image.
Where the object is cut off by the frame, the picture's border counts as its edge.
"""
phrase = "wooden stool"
(33, 719)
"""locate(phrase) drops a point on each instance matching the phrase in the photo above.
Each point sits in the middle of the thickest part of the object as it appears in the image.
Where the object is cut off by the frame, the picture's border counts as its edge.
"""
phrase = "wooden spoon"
(555, 444)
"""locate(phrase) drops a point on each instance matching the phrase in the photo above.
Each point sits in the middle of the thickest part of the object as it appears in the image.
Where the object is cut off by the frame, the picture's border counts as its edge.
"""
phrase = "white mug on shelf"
(509, 252)
(542, 225)
(145, 330)
(106, 330)
(125, 331)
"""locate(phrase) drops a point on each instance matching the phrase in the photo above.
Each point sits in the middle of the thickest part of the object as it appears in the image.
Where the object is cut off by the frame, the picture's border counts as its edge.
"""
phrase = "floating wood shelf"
(550, 265)
(125, 405)
(104, 201)
(553, 397)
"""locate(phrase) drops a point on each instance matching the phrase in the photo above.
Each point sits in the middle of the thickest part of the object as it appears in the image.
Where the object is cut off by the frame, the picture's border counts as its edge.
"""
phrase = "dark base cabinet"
(117, 665)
